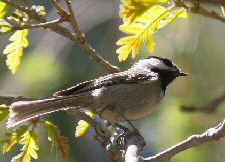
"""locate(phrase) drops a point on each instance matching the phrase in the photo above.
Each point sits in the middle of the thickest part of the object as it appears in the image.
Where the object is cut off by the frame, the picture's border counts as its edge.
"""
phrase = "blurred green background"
(52, 63)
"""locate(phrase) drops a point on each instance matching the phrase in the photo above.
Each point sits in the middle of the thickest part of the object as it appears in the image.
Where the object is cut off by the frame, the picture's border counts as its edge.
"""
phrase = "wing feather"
(109, 80)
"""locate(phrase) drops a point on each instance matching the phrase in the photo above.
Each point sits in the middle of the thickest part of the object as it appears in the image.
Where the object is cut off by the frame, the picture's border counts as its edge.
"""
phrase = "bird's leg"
(132, 126)
(135, 130)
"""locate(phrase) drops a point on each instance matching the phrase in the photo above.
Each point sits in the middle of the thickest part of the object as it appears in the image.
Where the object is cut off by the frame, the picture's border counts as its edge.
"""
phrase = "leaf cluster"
(17, 18)
(25, 135)
(29, 142)
(141, 21)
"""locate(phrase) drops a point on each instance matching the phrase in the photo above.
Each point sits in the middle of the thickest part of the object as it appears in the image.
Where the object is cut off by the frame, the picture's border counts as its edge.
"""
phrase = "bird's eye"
(168, 63)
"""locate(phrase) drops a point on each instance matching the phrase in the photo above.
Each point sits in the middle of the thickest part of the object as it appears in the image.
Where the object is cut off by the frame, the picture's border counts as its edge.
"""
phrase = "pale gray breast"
(134, 101)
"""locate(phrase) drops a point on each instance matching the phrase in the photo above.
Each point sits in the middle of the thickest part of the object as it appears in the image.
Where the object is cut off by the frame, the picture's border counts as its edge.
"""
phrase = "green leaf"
(14, 50)
(3, 9)
(57, 140)
(223, 10)
(29, 142)
(143, 27)
(132, 9)
(3, 112)
(14, 138)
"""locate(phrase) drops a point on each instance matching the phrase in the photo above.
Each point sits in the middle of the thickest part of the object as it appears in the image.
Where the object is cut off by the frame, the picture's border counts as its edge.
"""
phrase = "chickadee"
(130, 95)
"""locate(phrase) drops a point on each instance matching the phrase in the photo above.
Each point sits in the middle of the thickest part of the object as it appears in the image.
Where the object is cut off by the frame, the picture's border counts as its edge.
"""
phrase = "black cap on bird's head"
(166, 69)
(160, 64)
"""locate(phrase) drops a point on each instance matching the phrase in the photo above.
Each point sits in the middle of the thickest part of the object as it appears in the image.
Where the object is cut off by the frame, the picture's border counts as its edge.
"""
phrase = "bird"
(128, 95)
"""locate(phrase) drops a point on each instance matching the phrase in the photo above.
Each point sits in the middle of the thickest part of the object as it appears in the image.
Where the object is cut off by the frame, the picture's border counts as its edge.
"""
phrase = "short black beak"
(181, 73)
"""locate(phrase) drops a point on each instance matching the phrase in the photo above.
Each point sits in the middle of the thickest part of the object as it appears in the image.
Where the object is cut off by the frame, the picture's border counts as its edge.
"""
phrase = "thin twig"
(57, 6)
(208, 108)
(80, 40)
(97, 58)
(89, 51)
(196, 8)
(27, 3)
(8, 100)
(45, 25)
(79, 35)
(217, 2)
(193, 141)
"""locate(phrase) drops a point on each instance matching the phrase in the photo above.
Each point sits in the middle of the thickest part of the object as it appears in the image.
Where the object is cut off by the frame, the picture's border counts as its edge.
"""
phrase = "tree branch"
(8, 100)
(208, 108)
(133, 144)
(27, 3)
(196, 8)
(133, 148)
(89, 51)
(57, 6)
(80, 37)
(45, 25)
(216, 2)
(193, 141)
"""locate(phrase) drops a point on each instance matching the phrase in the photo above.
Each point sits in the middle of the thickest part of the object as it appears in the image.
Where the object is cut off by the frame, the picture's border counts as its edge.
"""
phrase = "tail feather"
(24, 110)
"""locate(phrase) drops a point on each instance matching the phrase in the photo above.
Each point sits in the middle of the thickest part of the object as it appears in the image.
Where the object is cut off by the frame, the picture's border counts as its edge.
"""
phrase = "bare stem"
(8, 100)
(27, 3)
(78, 38)
(196, 8)
(208, 108)
(215, 2)
(58, 7)
(45, 25)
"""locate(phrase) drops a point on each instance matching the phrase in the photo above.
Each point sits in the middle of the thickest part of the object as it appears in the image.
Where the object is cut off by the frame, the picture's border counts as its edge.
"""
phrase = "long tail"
(24, 110)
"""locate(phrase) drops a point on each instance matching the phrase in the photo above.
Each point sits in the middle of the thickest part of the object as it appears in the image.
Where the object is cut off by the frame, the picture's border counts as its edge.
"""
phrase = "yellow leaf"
(135, 47)
(183, 14)
(128, 44)
(3, 112)
(14, 50)
(142, 29)
(14, 138)
(57, 140)
(3, 9)
(132, 28)
(83, 126)
(223, 10)
(29, 142)
(149, 41)
(125, 40)
(132, 9)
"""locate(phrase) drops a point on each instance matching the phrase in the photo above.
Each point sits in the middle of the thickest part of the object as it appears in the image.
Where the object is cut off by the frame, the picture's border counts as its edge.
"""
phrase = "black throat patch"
(166, 77)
